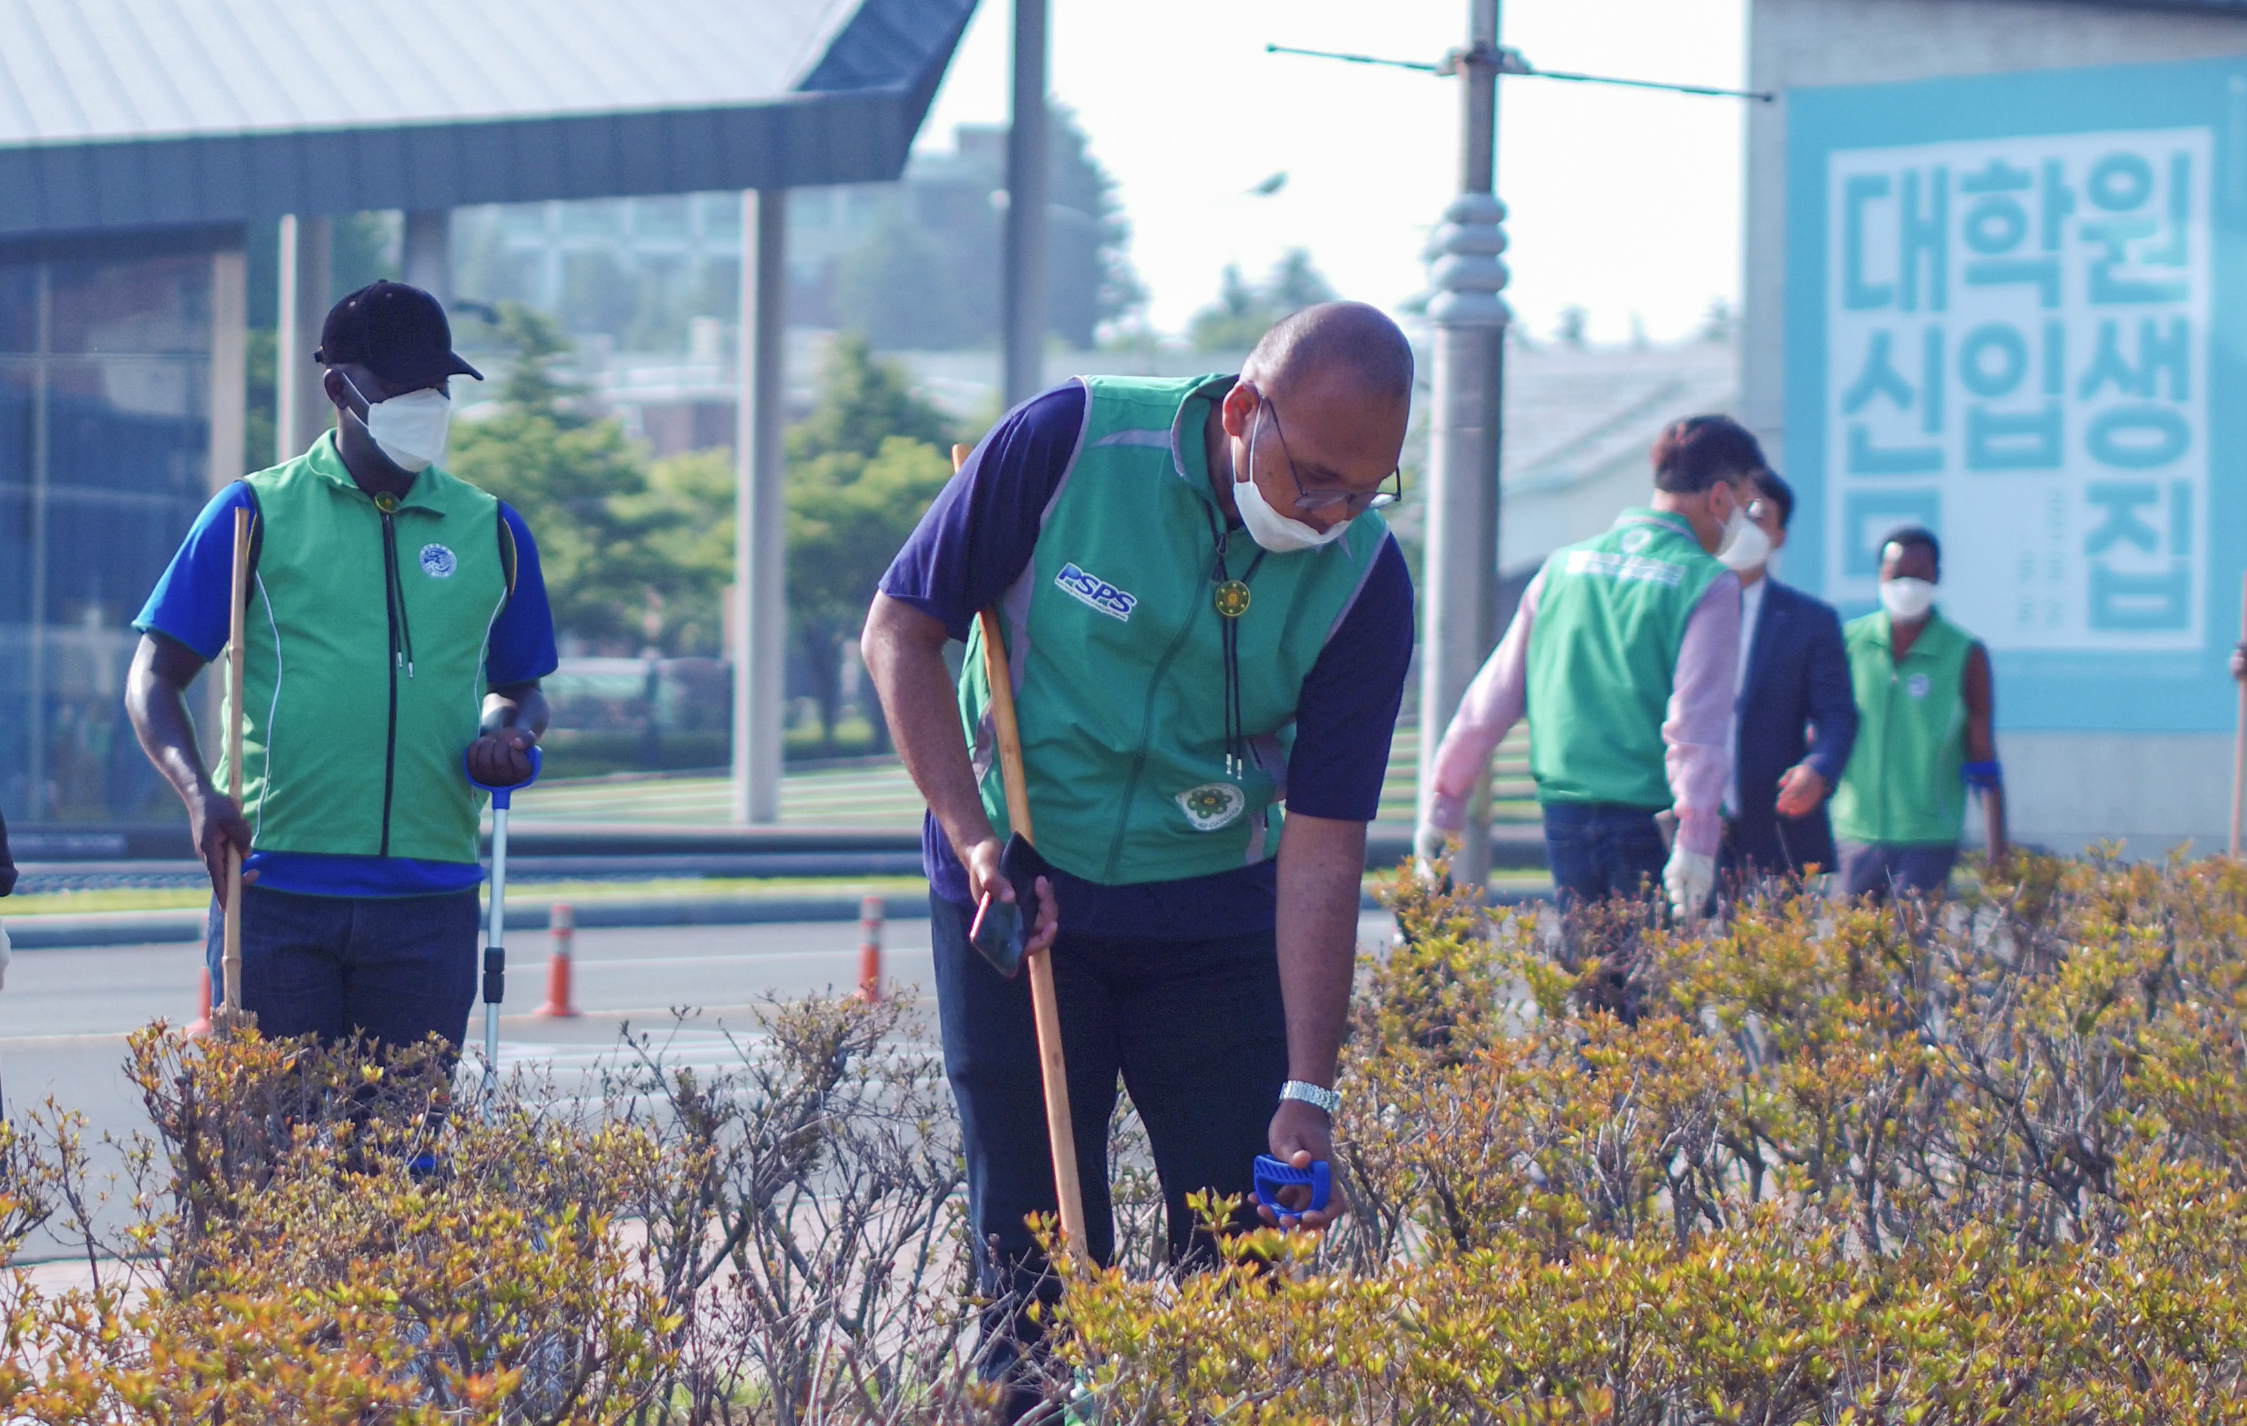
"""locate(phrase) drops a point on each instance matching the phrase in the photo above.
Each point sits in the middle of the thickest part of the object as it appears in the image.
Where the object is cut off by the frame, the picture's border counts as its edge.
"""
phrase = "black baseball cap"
(397, 332)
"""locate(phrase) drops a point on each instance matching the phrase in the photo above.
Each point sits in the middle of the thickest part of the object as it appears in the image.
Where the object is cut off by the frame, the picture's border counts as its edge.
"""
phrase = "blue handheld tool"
(495, 944)
(1272, 1176)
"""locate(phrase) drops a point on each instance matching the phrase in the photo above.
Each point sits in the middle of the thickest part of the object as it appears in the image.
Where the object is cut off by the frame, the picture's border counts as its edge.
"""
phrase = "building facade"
(108, 445)
(1993, 264)
(139, 156)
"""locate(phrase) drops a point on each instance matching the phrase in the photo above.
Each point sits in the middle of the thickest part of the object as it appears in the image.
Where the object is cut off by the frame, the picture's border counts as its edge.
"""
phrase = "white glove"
(1688, 878)
(1427, 845)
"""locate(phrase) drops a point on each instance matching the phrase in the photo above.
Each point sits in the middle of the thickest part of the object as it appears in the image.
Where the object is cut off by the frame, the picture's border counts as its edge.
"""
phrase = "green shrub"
(770, 1241)
(1976, 1162)
(1979, 1162)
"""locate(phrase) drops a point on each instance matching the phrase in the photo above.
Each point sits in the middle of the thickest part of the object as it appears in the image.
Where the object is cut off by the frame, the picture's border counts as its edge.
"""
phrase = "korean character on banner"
(1880, 378)
(1994, 363)
(1922, 209)
(2141, 435)
(1997, 228)
(2145, 598)
(2144, 229)
(2164, 360)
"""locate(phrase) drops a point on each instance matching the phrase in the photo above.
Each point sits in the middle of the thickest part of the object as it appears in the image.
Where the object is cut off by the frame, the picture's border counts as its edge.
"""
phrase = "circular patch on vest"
(1634, 540)
(1212, 805)
(437, 562)
(1917, 685)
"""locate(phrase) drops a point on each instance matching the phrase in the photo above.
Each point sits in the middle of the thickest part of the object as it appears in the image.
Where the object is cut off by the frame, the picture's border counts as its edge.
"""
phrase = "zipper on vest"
(1146, 732)
(394, 606)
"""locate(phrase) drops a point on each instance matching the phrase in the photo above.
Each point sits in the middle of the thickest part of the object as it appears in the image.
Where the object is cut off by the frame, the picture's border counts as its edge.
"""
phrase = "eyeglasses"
(1357, 502)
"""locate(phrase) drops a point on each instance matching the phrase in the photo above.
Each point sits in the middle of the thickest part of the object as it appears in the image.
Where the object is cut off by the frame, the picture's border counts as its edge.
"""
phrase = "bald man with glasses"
(1204, 620)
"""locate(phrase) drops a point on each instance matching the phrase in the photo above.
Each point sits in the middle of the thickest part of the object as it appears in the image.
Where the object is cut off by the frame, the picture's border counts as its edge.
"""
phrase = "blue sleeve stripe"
(188, 603)
(521, 644)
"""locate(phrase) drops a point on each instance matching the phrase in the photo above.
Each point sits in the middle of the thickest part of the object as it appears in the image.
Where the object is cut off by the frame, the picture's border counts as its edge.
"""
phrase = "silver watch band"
(1312, 1094)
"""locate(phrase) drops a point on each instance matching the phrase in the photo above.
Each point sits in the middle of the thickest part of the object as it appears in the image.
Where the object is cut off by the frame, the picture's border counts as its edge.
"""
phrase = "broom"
(230, 1016)
(1052, 1066)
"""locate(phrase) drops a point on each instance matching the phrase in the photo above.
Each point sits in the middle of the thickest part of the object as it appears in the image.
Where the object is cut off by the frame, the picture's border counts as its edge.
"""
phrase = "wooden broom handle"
(1052, 1064)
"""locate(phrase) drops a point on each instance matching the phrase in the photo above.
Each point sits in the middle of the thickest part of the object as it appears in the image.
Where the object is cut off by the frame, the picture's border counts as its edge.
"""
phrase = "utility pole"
(760, 546)
(1460, 590)
(1461, 579)
(1023, 305)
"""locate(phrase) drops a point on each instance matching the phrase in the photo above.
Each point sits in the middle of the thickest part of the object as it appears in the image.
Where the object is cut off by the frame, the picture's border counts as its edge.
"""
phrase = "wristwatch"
(1312, 1094)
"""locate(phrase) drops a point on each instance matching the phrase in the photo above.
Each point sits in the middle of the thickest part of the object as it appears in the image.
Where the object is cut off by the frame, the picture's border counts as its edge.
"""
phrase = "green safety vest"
(1611, 617)
(1905, 782)
(1113, 642)
(348, 749)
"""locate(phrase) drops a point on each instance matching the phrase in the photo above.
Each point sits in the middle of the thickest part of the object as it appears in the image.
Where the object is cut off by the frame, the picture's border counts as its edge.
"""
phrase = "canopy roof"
(160, 113)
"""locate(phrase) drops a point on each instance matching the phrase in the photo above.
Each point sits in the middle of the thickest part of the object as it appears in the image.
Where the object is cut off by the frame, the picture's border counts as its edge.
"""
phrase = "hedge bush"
(1980, 1162)
(319, 1237)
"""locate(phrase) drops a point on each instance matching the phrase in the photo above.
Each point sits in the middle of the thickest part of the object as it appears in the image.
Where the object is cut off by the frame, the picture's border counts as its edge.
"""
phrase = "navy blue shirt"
(975, 542)
(189, 605)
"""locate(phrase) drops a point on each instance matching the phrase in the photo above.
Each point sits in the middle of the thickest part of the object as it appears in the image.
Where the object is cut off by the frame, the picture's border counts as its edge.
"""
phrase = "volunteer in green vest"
(396, 625)
(1624, 656)
(1925, 701)
(1204, 621)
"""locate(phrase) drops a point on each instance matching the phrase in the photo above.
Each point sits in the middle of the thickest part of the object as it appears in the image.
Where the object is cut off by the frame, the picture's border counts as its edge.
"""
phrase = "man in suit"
(1795, 718)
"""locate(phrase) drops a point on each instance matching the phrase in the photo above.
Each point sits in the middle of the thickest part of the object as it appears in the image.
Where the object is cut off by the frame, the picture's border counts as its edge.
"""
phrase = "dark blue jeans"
(1195, 1030)
(395, 969)
(1596, 850)
(1882, 869)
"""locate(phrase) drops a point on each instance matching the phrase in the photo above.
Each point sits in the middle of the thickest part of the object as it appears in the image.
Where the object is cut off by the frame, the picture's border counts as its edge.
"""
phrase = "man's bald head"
(1343, 374)
(1334, 342)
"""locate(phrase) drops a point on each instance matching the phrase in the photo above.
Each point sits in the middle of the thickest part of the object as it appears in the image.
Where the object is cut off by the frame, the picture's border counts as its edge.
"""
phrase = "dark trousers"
(1597, 850)
(395, 969)
(1196, 1032)
(1884, 869)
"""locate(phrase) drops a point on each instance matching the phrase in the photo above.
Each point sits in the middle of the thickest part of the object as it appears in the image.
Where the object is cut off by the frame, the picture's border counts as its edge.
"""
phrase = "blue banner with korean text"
(2014, 317)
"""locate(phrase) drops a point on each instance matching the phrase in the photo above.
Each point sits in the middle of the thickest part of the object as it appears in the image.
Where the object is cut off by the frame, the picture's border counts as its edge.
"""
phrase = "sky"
(1625, 203)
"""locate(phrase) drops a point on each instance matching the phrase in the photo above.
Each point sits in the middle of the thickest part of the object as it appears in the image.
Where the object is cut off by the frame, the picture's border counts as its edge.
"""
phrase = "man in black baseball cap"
(396, 629)
(397, 332)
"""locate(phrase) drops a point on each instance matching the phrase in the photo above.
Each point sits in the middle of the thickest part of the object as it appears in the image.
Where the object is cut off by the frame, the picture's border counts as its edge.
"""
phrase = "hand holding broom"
(1052, 1064)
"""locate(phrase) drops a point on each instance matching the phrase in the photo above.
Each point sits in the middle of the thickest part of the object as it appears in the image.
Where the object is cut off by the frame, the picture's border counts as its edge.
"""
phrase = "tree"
(862, 468)
(1571, 331)
(927, 270)
(582, 488)
(882, 287)
(1243, 313)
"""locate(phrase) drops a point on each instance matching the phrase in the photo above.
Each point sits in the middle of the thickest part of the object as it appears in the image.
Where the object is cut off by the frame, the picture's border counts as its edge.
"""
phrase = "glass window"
(104, 455)
(664, 217)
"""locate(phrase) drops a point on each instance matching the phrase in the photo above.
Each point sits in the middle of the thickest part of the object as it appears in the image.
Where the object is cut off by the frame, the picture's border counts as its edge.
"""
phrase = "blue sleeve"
(976, 538)
(1348, 709)
(189, 601)
(522, 641)
(1833, 698)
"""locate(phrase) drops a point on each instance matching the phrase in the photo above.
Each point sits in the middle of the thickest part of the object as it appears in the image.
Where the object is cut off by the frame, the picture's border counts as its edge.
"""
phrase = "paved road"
(64, 1014)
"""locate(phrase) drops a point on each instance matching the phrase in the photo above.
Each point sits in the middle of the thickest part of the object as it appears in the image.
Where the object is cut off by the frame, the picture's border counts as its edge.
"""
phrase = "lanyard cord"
(1228, 636)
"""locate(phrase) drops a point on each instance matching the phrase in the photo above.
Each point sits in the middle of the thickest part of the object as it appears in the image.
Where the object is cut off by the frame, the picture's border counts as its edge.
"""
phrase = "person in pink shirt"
(1624, 656)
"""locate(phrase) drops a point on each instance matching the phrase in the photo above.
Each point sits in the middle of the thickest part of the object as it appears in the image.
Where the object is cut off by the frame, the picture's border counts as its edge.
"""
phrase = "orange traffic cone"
(870, 948)
(564, 925)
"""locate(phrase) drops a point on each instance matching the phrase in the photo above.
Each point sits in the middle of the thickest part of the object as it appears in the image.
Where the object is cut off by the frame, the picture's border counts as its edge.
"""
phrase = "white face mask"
(1907, 600)
(1270, 529)
(1744, 548)
(410, 428)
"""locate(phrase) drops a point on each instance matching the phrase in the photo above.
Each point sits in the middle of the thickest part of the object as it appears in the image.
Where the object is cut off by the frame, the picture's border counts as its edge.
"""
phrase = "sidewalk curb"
(154, 928)
(157, 928)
